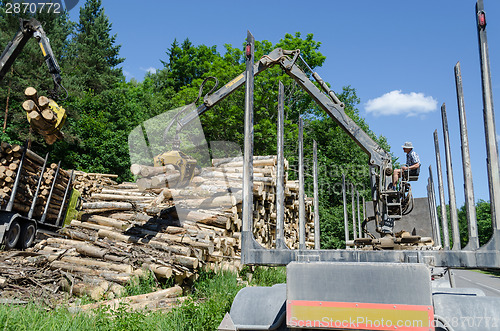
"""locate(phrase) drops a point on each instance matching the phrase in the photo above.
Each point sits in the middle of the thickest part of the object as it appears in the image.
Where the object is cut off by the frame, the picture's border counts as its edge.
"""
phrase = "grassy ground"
(210, 299)
(490, 272)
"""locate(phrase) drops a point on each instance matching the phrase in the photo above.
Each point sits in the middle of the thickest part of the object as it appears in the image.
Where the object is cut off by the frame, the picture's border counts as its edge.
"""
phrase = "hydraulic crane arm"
(332, 106)
(328, 102)
(213, 99)
(30, 28)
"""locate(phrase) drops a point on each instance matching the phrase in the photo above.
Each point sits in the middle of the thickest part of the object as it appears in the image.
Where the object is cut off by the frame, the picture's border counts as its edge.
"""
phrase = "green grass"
(211, 297)
(268, 276)
(489, 272)
(146, 284)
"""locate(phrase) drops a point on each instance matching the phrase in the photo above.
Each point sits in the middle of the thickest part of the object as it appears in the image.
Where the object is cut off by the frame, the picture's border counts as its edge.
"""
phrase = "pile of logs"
(217, 192)
(30, 173)
(229, 172)
(88, 183)
(28, 276)
(41, 117)
(151, 178)
(125, 232)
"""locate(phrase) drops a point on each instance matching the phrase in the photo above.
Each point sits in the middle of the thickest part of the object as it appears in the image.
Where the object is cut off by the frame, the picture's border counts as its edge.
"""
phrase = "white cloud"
(151, 70)
(397, 103)
(128, 74)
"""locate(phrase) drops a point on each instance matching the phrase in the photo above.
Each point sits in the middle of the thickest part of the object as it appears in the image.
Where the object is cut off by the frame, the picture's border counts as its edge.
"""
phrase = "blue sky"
(398, 55)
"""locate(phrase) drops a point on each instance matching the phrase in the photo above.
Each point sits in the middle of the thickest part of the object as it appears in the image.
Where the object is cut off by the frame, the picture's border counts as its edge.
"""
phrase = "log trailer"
(28, 29)
(356, 289)
(25, 208)
(20, 222)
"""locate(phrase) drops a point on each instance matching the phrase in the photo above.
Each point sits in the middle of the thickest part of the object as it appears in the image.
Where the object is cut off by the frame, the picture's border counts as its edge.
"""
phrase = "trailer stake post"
(470, 204)
(451, 185)
(280, 181)
(316, 197)
(302, 207)
(490, 129)
(346, 220)
(444, 216)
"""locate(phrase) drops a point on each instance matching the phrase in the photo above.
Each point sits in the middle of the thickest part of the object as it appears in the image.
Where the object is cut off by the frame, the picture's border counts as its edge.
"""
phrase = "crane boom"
(378, 156)
(29, 28)
(380, 160)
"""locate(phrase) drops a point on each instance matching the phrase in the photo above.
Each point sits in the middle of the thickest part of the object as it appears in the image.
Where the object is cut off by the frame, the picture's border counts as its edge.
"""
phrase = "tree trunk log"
(108, 221)
(171, 292)
(116, 197)
(108, 204)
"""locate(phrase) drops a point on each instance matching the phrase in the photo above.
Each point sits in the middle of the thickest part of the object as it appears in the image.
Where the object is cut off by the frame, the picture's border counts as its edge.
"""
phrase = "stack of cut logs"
(217, 190)
(124, 231)
(30, 174)
(103, 253)
(88, 183)
(229, 171)
(151, 178)
(40, 116)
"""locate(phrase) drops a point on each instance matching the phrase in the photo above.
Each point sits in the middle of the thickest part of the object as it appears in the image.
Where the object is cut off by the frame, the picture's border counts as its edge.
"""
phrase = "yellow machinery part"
(74, 205)
(60, 114)
(184, 163)
(54, 129)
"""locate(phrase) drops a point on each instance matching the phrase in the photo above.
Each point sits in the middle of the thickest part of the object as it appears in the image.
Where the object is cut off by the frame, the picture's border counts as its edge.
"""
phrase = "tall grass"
(211, 298)
(268, 276)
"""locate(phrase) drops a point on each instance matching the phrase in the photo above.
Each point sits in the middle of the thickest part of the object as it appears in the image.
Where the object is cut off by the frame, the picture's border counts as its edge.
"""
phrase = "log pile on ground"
(10, 161)
(88, 183)
(150, 178)
(125, 232)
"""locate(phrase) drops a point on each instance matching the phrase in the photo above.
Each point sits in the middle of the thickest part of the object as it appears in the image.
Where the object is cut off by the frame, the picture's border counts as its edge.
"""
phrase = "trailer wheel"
(13, 235)
(28, 232)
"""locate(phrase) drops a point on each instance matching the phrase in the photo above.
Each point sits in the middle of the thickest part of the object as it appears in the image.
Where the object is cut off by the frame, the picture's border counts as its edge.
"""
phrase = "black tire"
(28, 232)
(13, 235)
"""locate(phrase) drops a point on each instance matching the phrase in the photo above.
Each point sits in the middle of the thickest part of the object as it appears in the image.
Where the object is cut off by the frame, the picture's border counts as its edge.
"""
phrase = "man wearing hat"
(412, 164)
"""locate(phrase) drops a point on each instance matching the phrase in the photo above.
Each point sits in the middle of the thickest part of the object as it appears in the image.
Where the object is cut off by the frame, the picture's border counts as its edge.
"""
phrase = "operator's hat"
(408, 144)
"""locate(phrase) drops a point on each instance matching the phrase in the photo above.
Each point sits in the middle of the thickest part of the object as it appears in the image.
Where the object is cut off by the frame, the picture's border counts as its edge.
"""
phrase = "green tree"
(484, 228)
(96, 57)
(99, 141)
(186, 63)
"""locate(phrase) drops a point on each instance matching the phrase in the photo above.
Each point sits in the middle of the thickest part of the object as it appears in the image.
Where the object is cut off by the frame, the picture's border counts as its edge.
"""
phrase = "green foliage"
(29, 69)
(268, 276)
(212, 297)
(141, 285)
(146, 283)
(484, 228)
(490, 272)
(332, 226)
(33, 317)
(119, 319)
